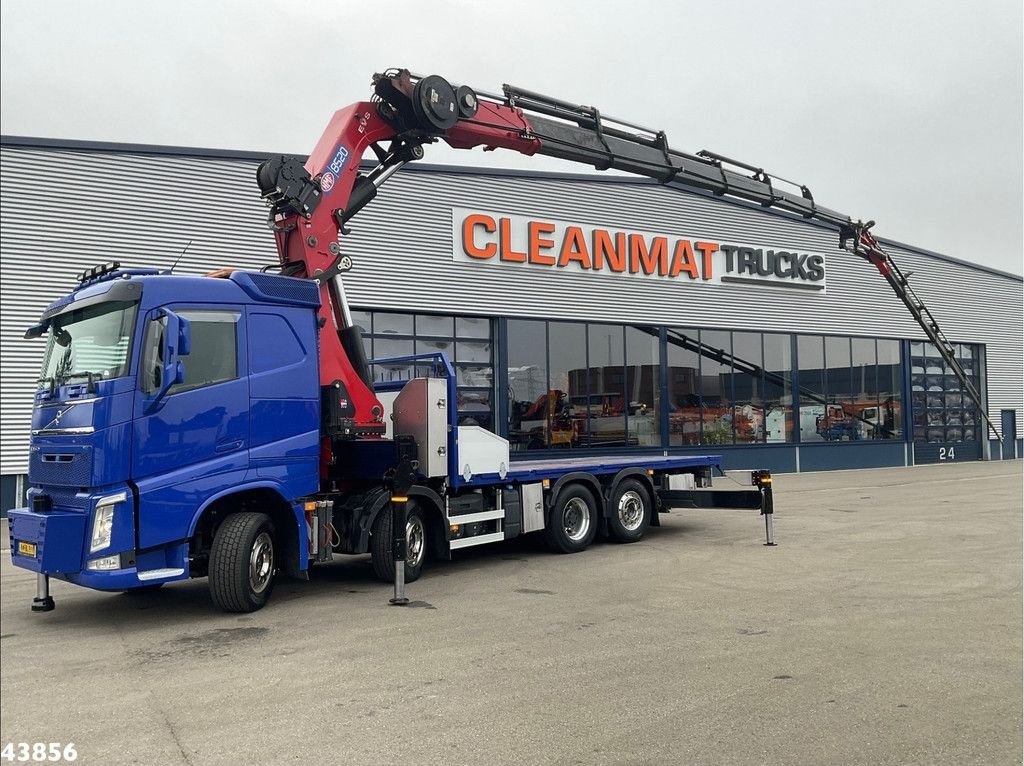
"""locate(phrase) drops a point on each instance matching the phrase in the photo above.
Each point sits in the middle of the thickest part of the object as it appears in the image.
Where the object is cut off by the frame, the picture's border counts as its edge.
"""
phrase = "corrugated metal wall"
(67, 209)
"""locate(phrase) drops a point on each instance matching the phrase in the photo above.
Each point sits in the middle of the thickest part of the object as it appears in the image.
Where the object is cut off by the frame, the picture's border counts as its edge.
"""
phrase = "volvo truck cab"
(153, 407)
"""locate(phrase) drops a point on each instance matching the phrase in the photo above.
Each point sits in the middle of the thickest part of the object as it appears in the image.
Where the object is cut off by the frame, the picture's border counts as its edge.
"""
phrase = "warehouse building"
(583, 313)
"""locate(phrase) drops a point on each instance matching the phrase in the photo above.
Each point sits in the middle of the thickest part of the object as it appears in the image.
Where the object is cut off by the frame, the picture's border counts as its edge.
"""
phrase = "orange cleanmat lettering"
(507, 253)
(652, 260)
(605, 249)
(538, 243)
(469, 246)
(682, 260)
(707, 249)
(574, 248)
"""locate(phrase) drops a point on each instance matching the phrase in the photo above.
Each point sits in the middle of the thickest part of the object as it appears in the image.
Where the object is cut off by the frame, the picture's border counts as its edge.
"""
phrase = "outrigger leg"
(399, 481)
(43, 602)
(400, 519)
(763, 480)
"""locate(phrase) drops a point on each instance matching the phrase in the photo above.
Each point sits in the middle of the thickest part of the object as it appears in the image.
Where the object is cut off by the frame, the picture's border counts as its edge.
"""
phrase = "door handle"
(227, 446)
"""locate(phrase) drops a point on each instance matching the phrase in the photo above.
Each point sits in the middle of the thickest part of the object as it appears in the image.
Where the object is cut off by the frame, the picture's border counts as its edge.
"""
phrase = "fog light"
(104, 564)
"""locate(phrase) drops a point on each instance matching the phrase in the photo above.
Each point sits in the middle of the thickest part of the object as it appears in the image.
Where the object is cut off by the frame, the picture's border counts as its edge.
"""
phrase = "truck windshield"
(92, 342)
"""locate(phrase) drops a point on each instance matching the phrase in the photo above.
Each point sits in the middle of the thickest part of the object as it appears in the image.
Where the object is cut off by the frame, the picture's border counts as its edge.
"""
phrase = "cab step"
(469, 542)
(473, 518)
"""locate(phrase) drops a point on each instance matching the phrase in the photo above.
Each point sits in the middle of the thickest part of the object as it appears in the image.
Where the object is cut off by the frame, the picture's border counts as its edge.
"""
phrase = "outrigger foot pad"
(43, 604)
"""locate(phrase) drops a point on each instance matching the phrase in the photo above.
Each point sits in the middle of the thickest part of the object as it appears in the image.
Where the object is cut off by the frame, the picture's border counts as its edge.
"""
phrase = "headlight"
(103, 521)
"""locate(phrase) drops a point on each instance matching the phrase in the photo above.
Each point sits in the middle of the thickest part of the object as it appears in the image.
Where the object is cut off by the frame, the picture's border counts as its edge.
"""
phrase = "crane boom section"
(312, 204)
(305, 219)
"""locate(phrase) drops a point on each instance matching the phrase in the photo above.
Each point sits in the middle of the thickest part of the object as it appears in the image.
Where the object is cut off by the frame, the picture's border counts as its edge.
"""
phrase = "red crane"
(311, 202)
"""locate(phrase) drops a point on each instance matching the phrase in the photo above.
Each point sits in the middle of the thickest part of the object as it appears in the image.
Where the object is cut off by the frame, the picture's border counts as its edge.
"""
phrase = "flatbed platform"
(538, 470)
(526, 471)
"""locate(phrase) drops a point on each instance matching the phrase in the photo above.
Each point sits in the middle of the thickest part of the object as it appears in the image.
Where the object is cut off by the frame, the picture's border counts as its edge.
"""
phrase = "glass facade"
(722, 387)
(850, 388)
(467, 341)
(716, 387)
(684, 402)
(603, 377)
(527, 387)
(943, 413)
(889, 377)
(729, 387)
(643, 385)
(573, 385)
(578, 385)
(748, 388)
(810, 352)
(778, 388)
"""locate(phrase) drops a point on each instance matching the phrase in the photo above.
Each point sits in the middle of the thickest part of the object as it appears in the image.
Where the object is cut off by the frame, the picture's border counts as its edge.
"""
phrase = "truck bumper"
(53, 544)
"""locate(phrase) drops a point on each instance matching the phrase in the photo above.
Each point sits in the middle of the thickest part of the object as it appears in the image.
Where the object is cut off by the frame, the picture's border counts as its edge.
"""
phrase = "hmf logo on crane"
(332, 173)
(518, 241)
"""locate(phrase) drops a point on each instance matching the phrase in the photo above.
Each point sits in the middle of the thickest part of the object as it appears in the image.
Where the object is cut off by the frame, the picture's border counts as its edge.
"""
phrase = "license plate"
(27, 549)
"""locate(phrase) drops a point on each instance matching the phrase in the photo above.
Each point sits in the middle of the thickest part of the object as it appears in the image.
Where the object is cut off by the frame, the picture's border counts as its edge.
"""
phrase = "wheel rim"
(261, 563)
(415, 542)
(631, 510)
(576, 519)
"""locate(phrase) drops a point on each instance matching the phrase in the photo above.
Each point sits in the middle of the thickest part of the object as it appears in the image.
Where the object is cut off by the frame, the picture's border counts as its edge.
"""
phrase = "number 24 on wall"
(947, 453)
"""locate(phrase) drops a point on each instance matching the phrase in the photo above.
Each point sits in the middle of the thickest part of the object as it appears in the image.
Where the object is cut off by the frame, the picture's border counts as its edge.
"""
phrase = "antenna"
(181, 255)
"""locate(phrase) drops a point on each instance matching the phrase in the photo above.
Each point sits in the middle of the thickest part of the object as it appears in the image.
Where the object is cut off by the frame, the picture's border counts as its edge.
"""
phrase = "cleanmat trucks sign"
(503, 240)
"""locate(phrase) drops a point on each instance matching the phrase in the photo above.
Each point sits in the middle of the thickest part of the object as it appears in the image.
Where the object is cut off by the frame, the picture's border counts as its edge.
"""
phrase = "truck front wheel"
(382, 552)
(242, 562)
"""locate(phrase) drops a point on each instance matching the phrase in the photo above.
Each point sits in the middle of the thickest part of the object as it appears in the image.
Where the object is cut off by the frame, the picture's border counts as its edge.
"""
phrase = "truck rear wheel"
(572, 522)
(631, 512)
(382, 553)
(242, 562)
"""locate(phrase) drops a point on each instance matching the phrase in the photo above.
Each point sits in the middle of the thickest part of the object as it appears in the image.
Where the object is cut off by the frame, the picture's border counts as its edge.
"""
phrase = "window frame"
(145, 382)
(791, 388)
(409, 321)
(921, 402)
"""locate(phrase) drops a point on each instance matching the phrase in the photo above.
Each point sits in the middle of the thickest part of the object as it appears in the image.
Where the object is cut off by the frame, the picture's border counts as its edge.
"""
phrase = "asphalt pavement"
(885, 628)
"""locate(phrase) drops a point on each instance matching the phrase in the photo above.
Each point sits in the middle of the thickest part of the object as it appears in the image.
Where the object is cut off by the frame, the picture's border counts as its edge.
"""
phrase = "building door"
(1009, 434)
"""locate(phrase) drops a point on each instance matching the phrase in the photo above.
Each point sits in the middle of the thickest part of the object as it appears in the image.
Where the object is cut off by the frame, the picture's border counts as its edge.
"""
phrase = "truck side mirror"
(184, 336)
(37, 330)
(176, 342)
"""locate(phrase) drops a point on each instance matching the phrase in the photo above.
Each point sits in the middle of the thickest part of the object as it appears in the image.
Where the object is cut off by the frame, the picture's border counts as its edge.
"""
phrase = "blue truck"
(230, 426)
(179, 430)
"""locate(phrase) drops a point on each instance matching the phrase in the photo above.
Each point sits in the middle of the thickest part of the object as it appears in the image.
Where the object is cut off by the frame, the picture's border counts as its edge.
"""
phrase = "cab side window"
(213, 357)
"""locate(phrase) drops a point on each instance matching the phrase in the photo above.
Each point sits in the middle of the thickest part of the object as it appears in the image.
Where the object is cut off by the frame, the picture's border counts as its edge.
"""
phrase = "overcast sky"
(908, 112)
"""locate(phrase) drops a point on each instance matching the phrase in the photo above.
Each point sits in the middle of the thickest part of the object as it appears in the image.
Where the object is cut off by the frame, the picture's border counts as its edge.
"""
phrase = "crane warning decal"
(517, 241)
